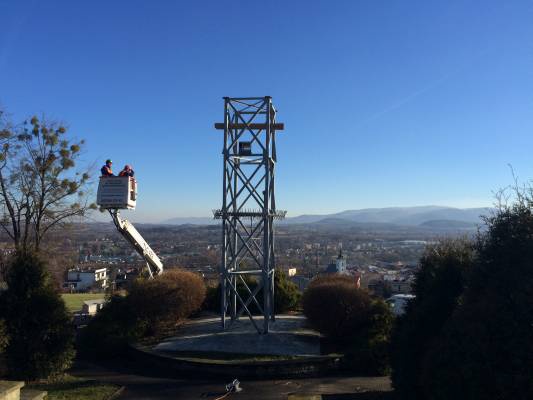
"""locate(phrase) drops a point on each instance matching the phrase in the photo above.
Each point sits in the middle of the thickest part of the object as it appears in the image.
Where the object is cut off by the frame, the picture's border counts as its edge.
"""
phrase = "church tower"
(341, 262)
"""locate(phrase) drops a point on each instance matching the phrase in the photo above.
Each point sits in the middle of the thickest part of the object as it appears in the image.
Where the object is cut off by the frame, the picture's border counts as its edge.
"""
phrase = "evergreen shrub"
(37, 324)
(438, 287)
(485, 349)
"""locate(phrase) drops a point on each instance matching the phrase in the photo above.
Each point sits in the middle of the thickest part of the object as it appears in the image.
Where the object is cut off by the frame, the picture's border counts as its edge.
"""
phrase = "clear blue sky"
(386, 103)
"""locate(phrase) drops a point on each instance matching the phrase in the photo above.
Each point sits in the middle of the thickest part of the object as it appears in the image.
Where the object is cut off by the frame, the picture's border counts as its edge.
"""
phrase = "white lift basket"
(117, 193)
(120, 193)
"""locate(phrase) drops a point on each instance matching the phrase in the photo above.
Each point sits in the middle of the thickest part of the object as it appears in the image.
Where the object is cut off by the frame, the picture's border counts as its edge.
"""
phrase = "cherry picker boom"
(125, 227)
(118, 193)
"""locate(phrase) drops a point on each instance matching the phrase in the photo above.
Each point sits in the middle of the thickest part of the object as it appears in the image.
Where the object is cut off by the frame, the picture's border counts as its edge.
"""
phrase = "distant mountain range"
(190, 221)
(426, 216)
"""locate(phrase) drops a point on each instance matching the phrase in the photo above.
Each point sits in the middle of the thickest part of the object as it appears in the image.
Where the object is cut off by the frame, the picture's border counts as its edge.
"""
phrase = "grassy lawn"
(72, 388)
(74, 301)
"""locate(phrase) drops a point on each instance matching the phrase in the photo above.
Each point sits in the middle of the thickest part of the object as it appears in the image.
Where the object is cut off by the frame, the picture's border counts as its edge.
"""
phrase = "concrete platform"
(202, 349)
(289, 336)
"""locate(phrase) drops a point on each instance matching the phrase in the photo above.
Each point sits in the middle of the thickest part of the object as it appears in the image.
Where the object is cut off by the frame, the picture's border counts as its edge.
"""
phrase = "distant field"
(74, 301)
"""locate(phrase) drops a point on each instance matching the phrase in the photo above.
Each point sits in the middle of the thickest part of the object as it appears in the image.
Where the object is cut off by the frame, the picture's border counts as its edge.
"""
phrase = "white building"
(91, 307)
(83, 279)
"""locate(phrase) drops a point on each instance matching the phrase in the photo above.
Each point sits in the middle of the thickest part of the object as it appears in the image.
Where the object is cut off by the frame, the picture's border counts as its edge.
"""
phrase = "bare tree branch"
(40, 189)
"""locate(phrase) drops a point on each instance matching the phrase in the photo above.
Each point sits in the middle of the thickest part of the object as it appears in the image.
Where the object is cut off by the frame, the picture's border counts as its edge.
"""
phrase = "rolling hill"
(429, 216)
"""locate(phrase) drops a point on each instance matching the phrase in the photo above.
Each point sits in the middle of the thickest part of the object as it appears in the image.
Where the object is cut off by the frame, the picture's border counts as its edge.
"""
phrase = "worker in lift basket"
(127, 171)
(106, 169)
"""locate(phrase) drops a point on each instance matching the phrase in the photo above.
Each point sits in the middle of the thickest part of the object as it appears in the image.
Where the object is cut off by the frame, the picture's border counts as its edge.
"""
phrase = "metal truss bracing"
(248, 210)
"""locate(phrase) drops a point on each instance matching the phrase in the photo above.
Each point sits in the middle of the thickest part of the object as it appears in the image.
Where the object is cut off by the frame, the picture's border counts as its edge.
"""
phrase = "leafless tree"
(41, 187)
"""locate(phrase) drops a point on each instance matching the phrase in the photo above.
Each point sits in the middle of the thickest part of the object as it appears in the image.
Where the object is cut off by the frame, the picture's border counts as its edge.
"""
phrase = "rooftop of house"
(88, 269)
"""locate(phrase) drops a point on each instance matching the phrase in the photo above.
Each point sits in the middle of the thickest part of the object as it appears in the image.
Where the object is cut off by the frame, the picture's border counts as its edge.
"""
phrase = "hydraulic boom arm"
(154, 264)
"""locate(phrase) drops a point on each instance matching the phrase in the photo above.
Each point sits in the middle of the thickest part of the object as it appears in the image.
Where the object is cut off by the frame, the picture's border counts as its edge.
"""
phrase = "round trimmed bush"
(335, 307)
(332, 279)
(354, 323)
(163, 301)
(151, 306)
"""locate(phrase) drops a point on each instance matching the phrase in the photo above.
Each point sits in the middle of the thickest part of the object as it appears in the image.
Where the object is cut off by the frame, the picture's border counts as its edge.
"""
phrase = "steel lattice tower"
(248, 207)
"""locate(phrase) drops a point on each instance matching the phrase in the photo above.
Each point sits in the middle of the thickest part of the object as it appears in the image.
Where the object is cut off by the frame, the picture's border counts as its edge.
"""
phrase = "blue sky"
(386, 103)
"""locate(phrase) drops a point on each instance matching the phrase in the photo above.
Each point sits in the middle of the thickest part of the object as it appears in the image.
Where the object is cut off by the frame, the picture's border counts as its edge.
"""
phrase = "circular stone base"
(288, 336)
(202, 348)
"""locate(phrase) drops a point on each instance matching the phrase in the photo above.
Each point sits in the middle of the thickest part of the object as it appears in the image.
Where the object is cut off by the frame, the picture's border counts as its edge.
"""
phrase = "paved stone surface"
(289, 335)
(145, 387)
